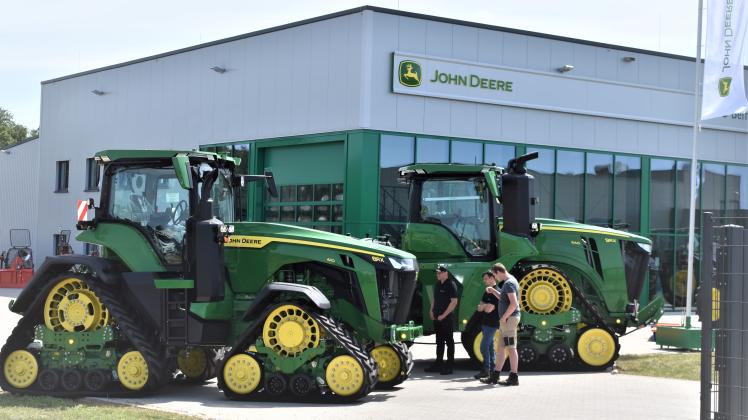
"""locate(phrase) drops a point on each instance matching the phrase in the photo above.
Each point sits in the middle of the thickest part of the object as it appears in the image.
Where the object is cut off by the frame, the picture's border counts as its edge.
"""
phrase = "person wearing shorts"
(508, 323)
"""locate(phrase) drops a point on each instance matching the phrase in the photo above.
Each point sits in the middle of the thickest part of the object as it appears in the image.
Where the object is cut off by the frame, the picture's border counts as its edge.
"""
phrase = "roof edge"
(24, 141)
(378, 10)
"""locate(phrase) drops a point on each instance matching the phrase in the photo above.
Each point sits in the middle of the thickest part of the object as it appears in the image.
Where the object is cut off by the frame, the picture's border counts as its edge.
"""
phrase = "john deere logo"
(410, 73)
(724, 86)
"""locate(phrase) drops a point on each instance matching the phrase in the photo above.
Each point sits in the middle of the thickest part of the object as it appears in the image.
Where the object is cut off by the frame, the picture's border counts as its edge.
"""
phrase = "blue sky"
(44, 39)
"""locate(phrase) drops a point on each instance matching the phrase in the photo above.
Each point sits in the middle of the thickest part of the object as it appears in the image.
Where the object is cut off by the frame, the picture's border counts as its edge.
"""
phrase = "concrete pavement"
(541, 395)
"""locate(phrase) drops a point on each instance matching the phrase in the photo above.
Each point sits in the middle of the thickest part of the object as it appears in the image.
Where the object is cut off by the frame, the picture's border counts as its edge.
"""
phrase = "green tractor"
(273, 311)
(579, 284)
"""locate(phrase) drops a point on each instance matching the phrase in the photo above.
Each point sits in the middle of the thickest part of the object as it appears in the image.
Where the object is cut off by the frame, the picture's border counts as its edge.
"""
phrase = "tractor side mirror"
(493, 186)
(242, 180)
(270, 184)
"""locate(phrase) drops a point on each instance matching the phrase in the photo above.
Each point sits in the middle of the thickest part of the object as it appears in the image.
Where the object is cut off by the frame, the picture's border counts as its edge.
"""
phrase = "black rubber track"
(140, 336)
(335, 329)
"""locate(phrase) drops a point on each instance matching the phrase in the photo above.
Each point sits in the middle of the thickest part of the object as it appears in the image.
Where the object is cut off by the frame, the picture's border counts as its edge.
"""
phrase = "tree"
(10, 131)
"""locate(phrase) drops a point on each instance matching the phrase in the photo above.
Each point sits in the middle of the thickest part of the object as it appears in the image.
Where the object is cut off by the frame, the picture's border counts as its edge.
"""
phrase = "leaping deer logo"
(410, 73)
(724, 86)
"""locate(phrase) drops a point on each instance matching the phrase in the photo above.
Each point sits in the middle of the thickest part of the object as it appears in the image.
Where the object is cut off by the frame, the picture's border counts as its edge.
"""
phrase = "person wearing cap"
(442, 308)
(508, 324)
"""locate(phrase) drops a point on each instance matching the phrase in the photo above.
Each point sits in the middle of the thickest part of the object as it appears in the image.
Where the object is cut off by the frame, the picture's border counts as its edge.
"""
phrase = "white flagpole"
(694, 164)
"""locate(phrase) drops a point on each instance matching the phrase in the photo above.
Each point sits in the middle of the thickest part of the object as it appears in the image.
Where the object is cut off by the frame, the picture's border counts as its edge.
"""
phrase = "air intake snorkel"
(518, 197)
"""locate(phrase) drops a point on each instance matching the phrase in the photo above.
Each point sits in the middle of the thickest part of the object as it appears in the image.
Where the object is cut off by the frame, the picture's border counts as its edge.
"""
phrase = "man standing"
(509, 312)
(489, 310)
(442, 307)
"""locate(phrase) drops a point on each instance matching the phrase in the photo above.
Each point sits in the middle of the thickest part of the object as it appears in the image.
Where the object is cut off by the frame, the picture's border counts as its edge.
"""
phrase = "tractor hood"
(564, 226)
(259, 235)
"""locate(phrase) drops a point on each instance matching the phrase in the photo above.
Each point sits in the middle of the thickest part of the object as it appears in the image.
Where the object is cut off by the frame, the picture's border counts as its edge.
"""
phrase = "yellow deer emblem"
(410, 74)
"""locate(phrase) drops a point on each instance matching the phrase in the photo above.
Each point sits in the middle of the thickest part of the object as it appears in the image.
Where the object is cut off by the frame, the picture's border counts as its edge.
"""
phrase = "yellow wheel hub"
(20, 369)
(596, 347)
(344, 376)
(192, 362)
(242, 373)
(545, 291)
(476, 345)
(73, 307)
(388, 362)
(132, 370)
(289, 330)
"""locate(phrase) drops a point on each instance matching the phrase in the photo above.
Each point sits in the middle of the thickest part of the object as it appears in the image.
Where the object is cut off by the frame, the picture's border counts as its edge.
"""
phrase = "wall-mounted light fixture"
(218, 69)
(98, 92)
(629, 59)
(565, 68)
(7, 152)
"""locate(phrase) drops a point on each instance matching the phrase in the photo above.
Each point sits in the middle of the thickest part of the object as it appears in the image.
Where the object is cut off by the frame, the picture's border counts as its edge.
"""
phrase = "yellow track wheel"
(192, 361)
(344, 376)
(289, 330)
(476, 344)
(242, 374)
(132, 370)
(20, 369)
(596, 347)
(72, 306)
(544, 291)
(388, 362)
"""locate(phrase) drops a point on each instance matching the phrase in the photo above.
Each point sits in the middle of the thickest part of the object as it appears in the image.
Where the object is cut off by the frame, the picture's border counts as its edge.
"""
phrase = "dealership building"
(334, 105)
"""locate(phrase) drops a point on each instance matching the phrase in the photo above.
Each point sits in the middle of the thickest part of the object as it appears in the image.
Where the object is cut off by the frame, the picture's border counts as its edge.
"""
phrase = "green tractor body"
(580, 285)
(178, 295)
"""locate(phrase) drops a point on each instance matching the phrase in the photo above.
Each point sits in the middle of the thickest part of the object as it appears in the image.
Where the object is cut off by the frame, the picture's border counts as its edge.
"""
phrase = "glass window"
(394, 153)
(432, 151)
(737, 194)
(599, 187)
(318, 206)
(713, 188)
(152, 198)
(467, 152)
(662, 196)
(569, 185)
(663, 265)
(93, 172)
(499, 154)
(241, 151)
(542, 169)
(462, 206)
(683, 195)
(61, 181)
(628, 183)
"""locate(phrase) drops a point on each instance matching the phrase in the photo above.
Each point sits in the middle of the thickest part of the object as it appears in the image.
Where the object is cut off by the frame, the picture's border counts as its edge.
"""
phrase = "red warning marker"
(82, 210)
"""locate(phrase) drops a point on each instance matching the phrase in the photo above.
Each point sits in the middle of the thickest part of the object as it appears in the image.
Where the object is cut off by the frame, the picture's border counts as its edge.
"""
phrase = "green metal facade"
(646, 195)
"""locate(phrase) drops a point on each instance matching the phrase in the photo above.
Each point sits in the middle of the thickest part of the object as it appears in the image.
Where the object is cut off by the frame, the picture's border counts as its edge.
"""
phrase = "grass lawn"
(28, 407)
(676, 366)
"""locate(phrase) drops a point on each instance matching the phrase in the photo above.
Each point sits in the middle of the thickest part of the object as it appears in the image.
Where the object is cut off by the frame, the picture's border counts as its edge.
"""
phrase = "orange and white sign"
(82, 210)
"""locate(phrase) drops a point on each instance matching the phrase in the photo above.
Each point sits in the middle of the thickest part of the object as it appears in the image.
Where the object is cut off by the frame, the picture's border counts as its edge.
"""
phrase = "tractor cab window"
(151, 197)
(221, 192)
(462, 206)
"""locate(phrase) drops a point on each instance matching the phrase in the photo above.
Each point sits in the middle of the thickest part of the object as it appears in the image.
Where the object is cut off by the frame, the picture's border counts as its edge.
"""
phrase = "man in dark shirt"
(442, 307)
(508, 323)
(489, 311)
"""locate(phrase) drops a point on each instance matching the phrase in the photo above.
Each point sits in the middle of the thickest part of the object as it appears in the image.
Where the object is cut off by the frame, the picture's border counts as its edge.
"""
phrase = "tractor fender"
(269, 292)
(107, 270)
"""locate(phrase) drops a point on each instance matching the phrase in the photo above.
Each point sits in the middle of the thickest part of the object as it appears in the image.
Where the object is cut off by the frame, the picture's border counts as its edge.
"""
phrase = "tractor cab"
(178, 201)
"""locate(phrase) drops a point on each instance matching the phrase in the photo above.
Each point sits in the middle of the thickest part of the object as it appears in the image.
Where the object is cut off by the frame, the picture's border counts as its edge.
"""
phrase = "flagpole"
(694, 164)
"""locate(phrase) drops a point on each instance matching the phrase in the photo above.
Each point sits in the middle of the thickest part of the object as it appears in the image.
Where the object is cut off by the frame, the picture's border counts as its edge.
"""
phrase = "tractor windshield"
(152, 197)
(462, 206)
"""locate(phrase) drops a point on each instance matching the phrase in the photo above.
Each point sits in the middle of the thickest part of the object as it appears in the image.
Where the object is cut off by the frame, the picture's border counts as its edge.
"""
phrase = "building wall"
(304, 79)
(656, 86)
(19, 169)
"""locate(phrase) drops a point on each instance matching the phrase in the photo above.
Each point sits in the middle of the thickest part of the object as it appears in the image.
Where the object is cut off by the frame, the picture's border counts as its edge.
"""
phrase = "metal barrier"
(723, 310)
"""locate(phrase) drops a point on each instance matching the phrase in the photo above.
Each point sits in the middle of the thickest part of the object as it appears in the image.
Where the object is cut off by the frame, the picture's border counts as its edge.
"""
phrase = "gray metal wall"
(662, 77)
(19, 180)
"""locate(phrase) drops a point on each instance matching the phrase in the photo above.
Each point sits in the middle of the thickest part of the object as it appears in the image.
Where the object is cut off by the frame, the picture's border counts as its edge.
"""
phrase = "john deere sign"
(444, 78)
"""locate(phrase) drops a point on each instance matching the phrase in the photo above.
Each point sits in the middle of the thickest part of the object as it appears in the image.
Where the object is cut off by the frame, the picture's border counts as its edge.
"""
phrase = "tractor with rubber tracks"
(580, 285)
(182, 293)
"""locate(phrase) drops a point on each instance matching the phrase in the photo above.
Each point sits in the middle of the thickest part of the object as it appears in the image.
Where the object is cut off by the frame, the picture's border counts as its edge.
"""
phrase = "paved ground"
(541, 395)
